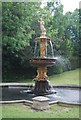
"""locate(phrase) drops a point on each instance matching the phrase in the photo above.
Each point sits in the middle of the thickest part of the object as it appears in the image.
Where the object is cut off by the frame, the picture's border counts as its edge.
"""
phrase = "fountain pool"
(59, 93)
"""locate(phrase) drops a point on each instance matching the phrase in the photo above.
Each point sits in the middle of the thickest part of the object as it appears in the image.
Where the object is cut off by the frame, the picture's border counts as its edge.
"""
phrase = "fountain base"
(42, 87)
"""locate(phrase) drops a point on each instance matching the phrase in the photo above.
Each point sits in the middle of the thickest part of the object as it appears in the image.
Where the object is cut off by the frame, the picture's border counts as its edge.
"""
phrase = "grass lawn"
(23, 111)
(70, 77)
(55, 111)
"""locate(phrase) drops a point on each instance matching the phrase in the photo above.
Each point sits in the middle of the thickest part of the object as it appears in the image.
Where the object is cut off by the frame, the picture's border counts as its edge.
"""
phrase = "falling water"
(35, 49)
(36, 54)
(52, 49)
(64, 63)
(46, 48)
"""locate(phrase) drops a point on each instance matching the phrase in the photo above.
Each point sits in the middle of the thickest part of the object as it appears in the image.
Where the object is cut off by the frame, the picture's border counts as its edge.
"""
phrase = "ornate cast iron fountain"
(68, 94)
(42, 86)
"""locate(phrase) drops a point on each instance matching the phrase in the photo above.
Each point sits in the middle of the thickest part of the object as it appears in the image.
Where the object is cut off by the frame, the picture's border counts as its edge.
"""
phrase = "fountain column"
(42, 70)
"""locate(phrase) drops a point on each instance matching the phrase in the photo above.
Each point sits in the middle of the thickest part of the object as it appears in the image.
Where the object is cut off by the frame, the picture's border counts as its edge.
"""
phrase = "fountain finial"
(42, 27)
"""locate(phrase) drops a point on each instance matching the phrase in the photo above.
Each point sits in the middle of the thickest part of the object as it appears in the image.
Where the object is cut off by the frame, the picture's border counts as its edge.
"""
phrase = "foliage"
(17, 31)
(80, 33)
(20, 27)
(64, 31)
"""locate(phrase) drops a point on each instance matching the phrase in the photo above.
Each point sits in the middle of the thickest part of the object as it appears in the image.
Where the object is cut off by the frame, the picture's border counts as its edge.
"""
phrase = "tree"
(20, 27)
(17, 29)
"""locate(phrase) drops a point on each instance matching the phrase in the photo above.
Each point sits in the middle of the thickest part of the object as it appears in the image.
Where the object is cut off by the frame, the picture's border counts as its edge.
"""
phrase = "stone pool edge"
(29, 103)
(31, 85)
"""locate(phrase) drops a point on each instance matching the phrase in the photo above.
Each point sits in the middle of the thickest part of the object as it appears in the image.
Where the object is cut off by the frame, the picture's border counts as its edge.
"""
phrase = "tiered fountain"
(42, 86)
(65, 94)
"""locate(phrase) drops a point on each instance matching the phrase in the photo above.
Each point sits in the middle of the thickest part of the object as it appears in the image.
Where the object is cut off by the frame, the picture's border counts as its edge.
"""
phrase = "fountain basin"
(67, 93)
(42, 61)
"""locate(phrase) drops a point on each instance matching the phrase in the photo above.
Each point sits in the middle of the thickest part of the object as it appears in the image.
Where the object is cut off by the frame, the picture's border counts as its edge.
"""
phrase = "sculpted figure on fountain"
(42, 27)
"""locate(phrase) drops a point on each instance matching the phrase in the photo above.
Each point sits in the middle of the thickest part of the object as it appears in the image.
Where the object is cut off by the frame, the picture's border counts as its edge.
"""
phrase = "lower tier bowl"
(42, 61)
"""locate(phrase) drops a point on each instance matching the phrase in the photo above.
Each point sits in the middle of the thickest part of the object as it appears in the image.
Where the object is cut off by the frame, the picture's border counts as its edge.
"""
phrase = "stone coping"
(64, 103)
(30, 103)
(66, 85)
(16, 101)
(31, 85)
(16, 84)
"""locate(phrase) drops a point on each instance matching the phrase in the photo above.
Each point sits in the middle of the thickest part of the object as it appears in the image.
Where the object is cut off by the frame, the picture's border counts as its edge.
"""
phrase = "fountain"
(42, 86)
(25, 93)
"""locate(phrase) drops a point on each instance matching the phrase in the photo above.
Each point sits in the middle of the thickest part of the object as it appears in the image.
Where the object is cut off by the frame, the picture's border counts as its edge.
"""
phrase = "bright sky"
(69, 5)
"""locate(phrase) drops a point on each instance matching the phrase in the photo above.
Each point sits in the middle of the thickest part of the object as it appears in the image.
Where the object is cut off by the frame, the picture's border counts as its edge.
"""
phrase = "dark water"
(66, 94)
(62, 94)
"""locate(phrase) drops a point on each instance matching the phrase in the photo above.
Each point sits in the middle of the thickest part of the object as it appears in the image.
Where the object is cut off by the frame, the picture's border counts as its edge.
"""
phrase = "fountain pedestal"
(42, 87)
(41, 84)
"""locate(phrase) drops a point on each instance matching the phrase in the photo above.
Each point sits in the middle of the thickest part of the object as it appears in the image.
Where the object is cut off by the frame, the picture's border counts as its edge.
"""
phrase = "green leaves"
(20, 23)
